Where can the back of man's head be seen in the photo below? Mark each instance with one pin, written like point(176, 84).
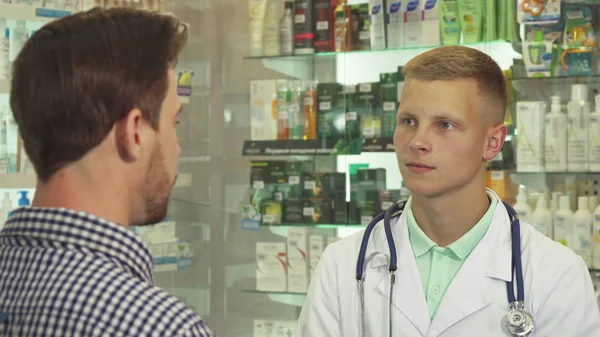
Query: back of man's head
point(77, 76)
point(456, 62)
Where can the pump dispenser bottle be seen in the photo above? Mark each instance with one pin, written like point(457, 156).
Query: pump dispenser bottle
point(555, 138)
point(563, 222)
point(541, 219)
point(594, 137)
point(522, 207)
point(582, 230)
point(578, 119)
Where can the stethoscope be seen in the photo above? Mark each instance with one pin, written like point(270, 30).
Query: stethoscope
point(519, 322)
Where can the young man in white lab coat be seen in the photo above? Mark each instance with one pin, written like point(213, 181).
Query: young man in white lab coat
point(453, 240)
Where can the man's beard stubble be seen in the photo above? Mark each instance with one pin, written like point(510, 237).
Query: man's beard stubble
point(157, 189)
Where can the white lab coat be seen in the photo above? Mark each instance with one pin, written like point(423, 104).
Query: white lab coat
point(558, 289)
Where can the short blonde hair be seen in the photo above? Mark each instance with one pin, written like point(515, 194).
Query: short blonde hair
point(455, 62)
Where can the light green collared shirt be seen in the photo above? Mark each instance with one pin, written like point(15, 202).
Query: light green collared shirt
point(438, 265)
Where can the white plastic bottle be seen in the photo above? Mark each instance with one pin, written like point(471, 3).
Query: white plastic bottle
point(582, 230)
point(596, 238)
point(541, 218)
point(594, 137)
point(563, 222)
point(4, 54)
point(271, 35)
point(5, 208)
point(377, 28)
point(286, 29)
point(578, 119)
point(555, 138)
point(522, 207)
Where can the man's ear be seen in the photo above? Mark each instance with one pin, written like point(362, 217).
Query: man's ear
point(129, 135)
point(494, 141)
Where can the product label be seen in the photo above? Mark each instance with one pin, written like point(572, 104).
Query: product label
point(258, 184)
point(323, 25)
point(389, 106)
point(308, 211)
point(309, 185)
point(268, 218)
point(325, 106)
point(368, 131)
point(364, 87)
point(351, 116)
point(497, 175)
point(594, 142)
point(299, 18)
point(294, 180)
point(577, 151)
point(308, 101)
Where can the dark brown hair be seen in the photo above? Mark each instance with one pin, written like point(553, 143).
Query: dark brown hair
point(77, 76)
point(455, 62)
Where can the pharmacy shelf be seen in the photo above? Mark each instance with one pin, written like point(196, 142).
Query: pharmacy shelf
point(296, 299)
point(324, 147)
point(16, 180)
point(351, 65)
point(541, 88)
point(30, 13)
point(313, 147)
point(305, 225)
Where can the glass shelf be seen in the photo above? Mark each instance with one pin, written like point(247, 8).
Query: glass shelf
point(315, 147)
point(312, 225)
point(306, 57)
point(254, 291)
point(541, 88)
point(553, 173)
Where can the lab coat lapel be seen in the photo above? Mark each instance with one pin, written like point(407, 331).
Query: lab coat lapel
point(408, 296)
point(468, 292)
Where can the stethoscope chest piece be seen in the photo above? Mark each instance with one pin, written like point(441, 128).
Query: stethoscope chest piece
point(520, 323)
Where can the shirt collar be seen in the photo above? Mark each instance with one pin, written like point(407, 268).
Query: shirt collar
point(81, 230)
point(462, 247)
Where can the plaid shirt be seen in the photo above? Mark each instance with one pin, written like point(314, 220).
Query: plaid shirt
point(68, 274)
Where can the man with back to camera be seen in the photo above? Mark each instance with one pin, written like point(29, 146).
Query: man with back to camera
point(94, 96)
point(454, 238)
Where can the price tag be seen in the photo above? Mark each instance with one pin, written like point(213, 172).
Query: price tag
point(325, 106)
point(350, 89)
point(309, 185)
point(300, 18)
point(308, 211)
point(294, 180)
point(365, 87)
point(258, 184)
point(322, 25)
point(365, 220)
point(389, 106)
point(268, 218)
point(351, 116)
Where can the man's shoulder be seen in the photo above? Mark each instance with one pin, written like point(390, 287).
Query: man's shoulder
point(147, 310)
point(547, 254)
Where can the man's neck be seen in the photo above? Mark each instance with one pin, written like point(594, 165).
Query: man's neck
point(91, 195)
point(447, 218)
